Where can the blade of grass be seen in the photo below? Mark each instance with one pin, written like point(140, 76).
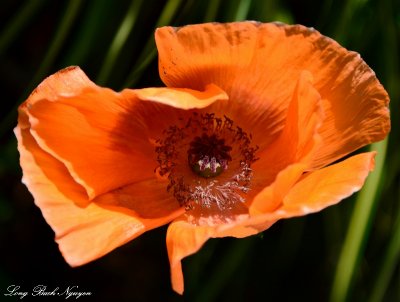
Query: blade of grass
point(21, 20)
point(67, 21)
point(89, 29)
point(119, 41)
point(149, 50)
point(228, 265)
point(54, 49)
point(212, 11)
point(242, 10)
point(347, 15)
point(324, 14)
point(235, 10)
point(359, 228)
point(391, 256)
point(194, 266)
point(272, 10)
point(390, 261)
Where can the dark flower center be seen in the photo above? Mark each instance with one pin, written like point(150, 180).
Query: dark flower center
point(208, 155)
point(207, 161)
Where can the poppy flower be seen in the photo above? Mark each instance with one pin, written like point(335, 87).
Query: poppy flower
point(249, 129)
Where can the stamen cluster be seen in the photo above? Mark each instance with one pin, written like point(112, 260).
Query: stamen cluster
point(207, 161)
point(208, 156)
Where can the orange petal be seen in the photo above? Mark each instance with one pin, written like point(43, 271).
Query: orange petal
point(105, 138)
point(303, 119)
point(271, 197)
point(320, 189)
point(147, 199)
point(312, 193)
point(299, 138)
point(258, 64)
point(181, 98)
point(84, 230)
point(185, 237)
point(291, 195)
point(67, 82)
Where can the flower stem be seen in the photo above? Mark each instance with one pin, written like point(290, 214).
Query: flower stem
point(359, 229)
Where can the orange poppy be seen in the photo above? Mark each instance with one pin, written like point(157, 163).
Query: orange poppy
point(247, 132)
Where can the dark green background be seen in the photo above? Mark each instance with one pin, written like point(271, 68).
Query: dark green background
point(295, 260)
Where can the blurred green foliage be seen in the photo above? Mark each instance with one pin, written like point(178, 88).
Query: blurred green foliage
point(349, 252)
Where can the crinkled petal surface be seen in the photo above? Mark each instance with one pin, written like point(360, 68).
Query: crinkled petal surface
point(307, 102)
point(257, 64)
point(310, 193)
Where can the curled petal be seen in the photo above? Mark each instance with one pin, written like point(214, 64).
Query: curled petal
point(181, 98)
point(303, 120)
point(185, 238)
point(271, 197)
point(96, 132)
point(298, 141)
point(84, 230)
point(320, 189)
